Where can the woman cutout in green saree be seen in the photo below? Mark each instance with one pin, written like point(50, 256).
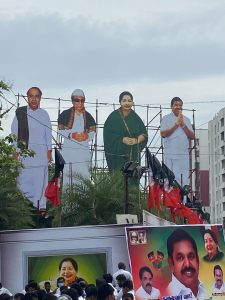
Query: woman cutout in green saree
point(125, 134)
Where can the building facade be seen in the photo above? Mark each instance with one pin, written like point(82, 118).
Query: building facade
point(200, 167)
point(217, 168)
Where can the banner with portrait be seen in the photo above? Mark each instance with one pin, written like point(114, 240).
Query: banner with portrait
point(177, 262)
point(48, 268)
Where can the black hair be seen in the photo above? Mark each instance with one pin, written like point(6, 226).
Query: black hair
point(73, 262)
point(121, 265)
point(99, 281)
point(5, 296)
point(179, 235)
point(144, 269)
point(121, 277)
point(91, 290)
point(47, 282)
point(77, 287)
point(108, 277)
point(19, 295)
point(49, 296)
point(127, 296)
point(41, 293)
point(213, 235)
point(128, 284)
point(36, 88)
point(217, 267)
point(104, 291)
point(70, 292)
point(175, 99)
point(124, 94)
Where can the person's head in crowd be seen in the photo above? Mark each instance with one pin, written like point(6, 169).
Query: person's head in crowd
point(146, 278)
point(31, 296)
point(211, 243)
point(78, 99)
point(49, 296)
point(108, 277)
point(32, 286)
point(19, 296)
point(128, 296)
point(60, 281)
point(70, 292)
point(5, 296)
point(68, 269)
point(77, 287)
point(218, 276)
point(120, 280)
point(183, 258)
point(127, 286)
point(41, 293)
point(34, 97)
point(99, 281)
point(106, 292)
point(47, 286)
point(82, 283)
point(121, 265)
point(91, 292)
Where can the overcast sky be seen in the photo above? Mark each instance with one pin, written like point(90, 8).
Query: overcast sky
point(156, 49)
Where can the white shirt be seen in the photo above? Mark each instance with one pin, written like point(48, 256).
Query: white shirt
point(120, 271)
point(218, 290)
point(5, 291)
point(177, 144)
point(141, 294)
point(176, 288)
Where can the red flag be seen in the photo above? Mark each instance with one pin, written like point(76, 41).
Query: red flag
point(192, 217)
point(52, 192)
point(171, 197)
point(155, 195)
point(151, 195)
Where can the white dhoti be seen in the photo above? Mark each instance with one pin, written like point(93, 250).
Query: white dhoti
point(76, 154)
point(33, 178)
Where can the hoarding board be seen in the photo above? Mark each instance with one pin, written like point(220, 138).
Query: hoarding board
point(184, 261)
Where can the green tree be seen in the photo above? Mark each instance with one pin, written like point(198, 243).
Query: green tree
point(97, 201)
point(15, 209)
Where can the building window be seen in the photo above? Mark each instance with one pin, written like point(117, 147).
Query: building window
point(222, 122)
point(222, 150)
point(197, 142)
point(223, 177)
point(223, 191)
point(223, 164)
point(223, 222)
point(222, 136)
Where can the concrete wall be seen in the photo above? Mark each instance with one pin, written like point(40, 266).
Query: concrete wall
point(16, 246)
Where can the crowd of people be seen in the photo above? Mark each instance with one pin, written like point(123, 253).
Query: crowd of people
point(117, 286)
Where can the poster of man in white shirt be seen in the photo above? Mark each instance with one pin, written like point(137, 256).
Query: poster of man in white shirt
point(146, 290)
point(219, 286)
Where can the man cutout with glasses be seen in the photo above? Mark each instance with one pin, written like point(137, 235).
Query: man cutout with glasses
point(77, 127)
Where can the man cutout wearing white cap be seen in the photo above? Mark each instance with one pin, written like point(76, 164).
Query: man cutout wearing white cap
point(77, 127)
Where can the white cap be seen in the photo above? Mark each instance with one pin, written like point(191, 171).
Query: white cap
point(78, 92)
